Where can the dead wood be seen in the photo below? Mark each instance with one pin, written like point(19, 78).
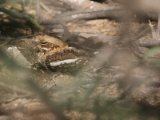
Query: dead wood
point(149, 42)
point(113, 14)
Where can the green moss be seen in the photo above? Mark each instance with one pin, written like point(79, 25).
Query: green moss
point(153, 56)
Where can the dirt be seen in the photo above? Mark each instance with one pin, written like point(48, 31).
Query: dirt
point(113, 81)
point(104, 27)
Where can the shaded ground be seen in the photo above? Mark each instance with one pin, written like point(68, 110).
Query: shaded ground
point(114, 84)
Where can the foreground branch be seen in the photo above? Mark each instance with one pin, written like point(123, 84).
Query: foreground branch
point(118, 14)
point(22, 16)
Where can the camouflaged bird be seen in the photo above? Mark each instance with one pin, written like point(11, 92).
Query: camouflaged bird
point(55, 54)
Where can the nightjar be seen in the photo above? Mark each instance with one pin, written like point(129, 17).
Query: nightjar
point(57, 55)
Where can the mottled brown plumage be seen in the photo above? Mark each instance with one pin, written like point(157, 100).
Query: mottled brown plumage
point(53, 53)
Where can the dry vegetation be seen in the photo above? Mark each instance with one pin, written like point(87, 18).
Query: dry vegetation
point(79, 60)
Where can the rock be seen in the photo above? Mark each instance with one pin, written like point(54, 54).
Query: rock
point(18, 56)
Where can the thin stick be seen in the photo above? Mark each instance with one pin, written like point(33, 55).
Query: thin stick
point(37, 10)
point(158, 27)
point(154, 33)
point(45, 7)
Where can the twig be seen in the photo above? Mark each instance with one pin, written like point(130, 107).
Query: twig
point(117, 14)
point(45, 7)
point(154, 33)
point(149, 42)
point(38, 10)
point(158, 27)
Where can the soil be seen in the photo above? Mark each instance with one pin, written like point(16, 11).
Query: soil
point(114, 83)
